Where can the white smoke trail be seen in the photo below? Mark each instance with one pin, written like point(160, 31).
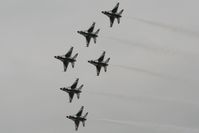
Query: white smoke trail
point(156, 74)
point(167, 26)
point(152, 48)
point(144, 98)
point(152, 125)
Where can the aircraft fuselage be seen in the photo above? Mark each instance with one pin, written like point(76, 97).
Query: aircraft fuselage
point(76, 118)
point(98, 63)
point(68, 59)
point(110, 14)
point(70, 90)
point(87, 34)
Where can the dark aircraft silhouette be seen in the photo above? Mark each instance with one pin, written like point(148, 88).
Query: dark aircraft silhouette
point(78, 118)
point(113, 14)
point(100, 63)
point(73, 90)
point(66, 59)
point(88, 34)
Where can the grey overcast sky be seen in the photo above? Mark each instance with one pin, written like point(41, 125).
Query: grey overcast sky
point(152, 82)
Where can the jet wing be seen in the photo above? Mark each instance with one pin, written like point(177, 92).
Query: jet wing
point(114, 10)
point(76, 124)
point(111, 21)
point(101, 58)
point(79, 113)
point(68, 54)
point(98, 68)
point(91, 28)
point(71, 94)
point(65, 65)
point(88, 39)
point(74, 85)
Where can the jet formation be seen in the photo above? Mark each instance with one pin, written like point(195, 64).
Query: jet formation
point(71, 90)
point(77, 118)
point(98, 63)
point(112, 14)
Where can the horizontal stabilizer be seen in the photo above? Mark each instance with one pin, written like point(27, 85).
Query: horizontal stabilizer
point(73, 64)
point(95, 39)
point(105, 68)
point(118, 20)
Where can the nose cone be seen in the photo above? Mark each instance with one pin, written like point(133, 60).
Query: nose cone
point(103, 12)
point(67, 116)
point(55, 57)
point(89, 61)
point(61, 89)
point(78, 32)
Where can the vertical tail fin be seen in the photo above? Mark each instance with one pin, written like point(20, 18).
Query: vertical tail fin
point(80, 87)
point(75, 56)
point(120, 13)
point(97, 32)
point(107, 60)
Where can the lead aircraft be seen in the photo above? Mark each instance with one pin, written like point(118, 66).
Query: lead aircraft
point(112, 14)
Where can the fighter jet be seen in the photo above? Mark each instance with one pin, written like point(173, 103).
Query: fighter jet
point(100, 63)
point(73, 90)
point(66, 59)
point(78, 118)
point(113, 14)
point(88, 34)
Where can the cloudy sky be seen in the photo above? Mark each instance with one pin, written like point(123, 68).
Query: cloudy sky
point(152, 82)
